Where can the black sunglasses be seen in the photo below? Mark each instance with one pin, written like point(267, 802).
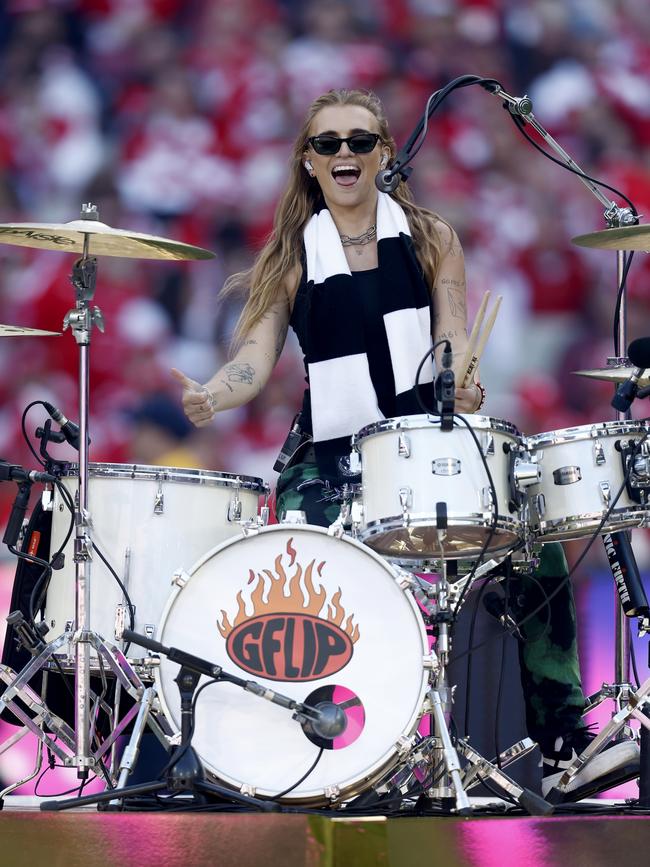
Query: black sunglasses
point(328, 145)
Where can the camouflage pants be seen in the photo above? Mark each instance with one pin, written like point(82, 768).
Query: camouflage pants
point(548, 658)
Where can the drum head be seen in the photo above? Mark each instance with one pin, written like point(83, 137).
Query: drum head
point(317, 619)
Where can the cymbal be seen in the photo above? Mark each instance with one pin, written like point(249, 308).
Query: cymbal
point(615, 374)
point(103, 240)
point(23, 331)
point(623, 238)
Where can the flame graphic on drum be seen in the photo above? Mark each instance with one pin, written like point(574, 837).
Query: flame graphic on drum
point(289, 635)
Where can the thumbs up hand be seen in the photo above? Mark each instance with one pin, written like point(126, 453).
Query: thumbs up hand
point(199, 403)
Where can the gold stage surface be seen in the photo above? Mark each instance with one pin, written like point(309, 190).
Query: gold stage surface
point(76, 838)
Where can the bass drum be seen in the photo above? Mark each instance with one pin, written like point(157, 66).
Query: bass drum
point(318, 619)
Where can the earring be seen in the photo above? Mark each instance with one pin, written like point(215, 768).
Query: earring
point(309, 167)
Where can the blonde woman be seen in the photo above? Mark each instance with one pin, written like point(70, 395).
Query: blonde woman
point(367, 280)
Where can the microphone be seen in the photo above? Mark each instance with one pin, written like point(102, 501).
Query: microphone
point(16, 473)
point(387, 181)
point(69, 429)
point(639, 354)
point(446, 389)
point(328, 722)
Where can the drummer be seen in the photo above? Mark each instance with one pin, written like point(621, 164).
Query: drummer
point(366, 279)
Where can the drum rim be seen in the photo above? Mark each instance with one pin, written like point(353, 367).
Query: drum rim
point(154, 472)
point(424, 421)
point(585, 432)
point(589, 521)
point(396, 522)
point(385, 762)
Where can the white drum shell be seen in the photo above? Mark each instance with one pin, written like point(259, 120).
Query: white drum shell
point(413, 454)
point(561, 506)
point(147, 521)
point(256, 747)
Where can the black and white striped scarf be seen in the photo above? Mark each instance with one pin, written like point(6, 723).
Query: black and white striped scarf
point(360, 374)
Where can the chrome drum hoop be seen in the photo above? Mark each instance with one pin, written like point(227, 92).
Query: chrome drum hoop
point(157, 473)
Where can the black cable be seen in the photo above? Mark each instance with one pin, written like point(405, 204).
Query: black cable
point(302, 779)
point(502, 796)
point(521, 126)
point(120, 583)
point(418, 388)
point(433, 102)
point(567, 578)
point(178, 753)
point(497, 709)
point(39, 590)
point(23, 427)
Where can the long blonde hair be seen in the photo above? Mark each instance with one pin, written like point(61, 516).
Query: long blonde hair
point(281, 253)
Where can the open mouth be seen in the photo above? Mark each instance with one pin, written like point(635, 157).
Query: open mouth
point(346, 175)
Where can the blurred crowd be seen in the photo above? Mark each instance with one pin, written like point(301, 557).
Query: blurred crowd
point(175, 117)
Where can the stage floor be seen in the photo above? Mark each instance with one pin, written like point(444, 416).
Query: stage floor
point(85, 837)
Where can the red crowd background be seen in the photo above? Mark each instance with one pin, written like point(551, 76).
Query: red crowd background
point(175, 117)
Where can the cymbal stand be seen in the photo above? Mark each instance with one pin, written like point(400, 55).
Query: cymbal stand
point(440, 602)
point(78, 740)
point(615, 217)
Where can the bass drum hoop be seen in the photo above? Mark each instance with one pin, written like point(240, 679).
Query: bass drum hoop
point(189, 475)
point(346, 789)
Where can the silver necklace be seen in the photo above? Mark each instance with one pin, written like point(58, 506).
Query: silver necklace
point(355, 240)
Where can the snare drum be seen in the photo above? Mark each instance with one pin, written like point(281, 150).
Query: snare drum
point(410, 466)
point(582, 469)
point(146, 522)
point(318, 619)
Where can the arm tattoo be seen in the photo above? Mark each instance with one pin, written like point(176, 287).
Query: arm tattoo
point(457, 303)
point(227, 384)
point(240, 372)
point(249, 343)
point(446, 335)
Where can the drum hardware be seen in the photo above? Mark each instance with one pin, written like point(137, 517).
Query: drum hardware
point(150, 518)
point(618, 372)
point(87, 236)
point(622, 233)
point(638, 479)
point(185, 771)
point(581, 471)
point(618, 237)
point(440, 600)
point(344, 596)
point(634, 704)
point(23, 331)
point(409, 463)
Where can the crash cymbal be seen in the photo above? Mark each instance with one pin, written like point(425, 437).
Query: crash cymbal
point(23, 331)
point(615, 374)
point(624, 238)
point(103, 241)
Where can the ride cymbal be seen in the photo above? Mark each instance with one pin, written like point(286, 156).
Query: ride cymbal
point(614, 374)
point(623, 238)
point(103, 240)
point(23, 331)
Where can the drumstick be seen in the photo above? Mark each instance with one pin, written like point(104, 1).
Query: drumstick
point(469, 352)
point(480, 346)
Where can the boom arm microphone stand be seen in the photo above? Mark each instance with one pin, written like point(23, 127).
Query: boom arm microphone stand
point(184, 772)
point(630, 599)
point(615, 217)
